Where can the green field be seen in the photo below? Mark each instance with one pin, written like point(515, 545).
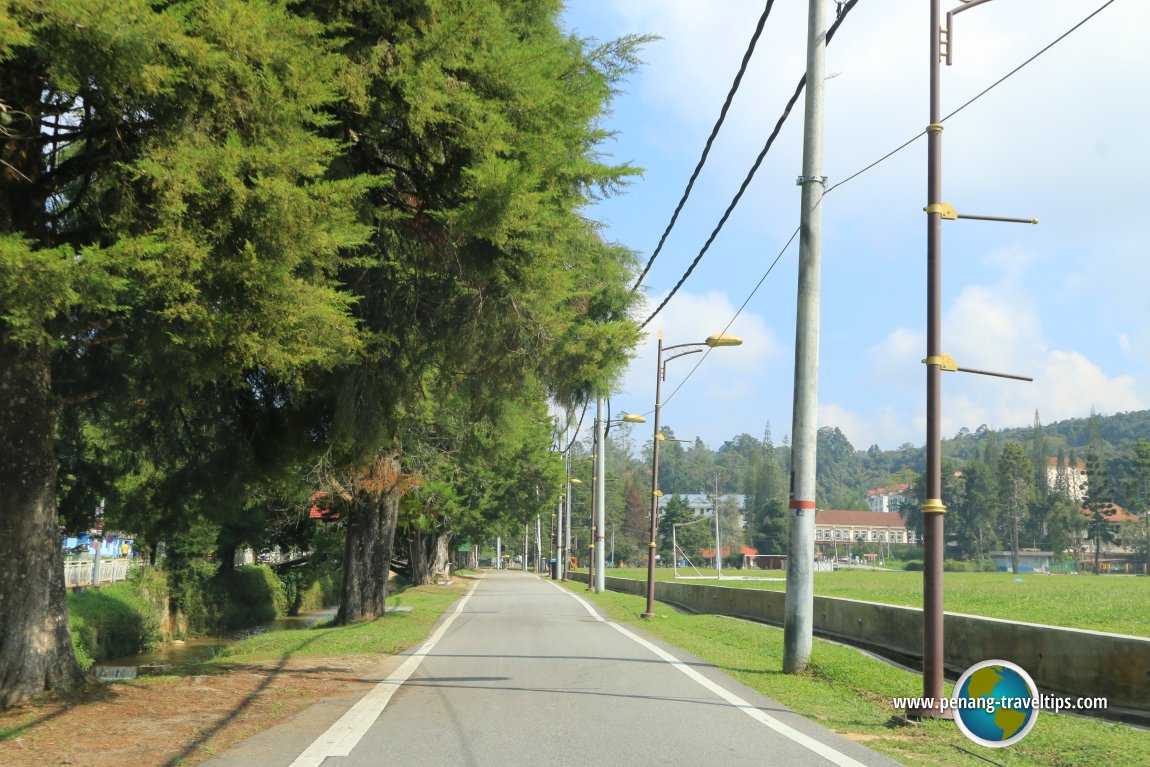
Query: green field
point(1114, 603)
point(852, 693)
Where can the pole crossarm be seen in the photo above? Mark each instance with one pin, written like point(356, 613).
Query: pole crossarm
point(947, 212)
point(949, 364)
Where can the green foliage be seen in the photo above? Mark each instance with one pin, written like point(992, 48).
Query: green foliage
point(691, 533)
point(114, 620)
point(245, 597)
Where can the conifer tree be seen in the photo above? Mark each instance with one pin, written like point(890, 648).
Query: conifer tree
point(165, 191)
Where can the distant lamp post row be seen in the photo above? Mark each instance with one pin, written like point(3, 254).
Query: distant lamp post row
point(713, 342)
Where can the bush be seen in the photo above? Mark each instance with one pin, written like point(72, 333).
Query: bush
point(112, 621)
point(83, 640)
point(914, 567)
point(246, 597)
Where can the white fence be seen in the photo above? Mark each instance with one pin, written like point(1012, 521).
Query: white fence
point(78, 572)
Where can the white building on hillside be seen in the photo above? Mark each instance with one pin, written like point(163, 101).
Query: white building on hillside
point(1073, 479)
point(703, 504)
point(888, 499)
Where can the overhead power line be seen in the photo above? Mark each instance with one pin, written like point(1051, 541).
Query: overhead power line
point(751, 173)
point(981, 93)
point(710, 140)
point(874, 164)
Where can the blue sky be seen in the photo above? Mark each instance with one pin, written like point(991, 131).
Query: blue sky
point(1063, 141)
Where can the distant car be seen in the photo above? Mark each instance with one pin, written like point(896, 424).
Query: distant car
point(80, 548)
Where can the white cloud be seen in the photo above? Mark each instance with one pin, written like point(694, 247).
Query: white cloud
point(1063, 301)
point(717, 400)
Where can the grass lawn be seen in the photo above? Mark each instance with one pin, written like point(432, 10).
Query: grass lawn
point(396, 633)
point(1114, 603)
point(851, 693)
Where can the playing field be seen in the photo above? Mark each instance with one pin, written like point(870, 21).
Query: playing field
point(1115, 603)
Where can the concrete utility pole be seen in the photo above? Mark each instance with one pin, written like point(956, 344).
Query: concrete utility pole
point(600, 467)
point(558, 574)
point(718, 536)
point(798, 618)
point(538, 544)
point(567, 520)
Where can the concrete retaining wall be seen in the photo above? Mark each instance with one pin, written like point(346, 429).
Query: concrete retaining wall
point(1065, 661)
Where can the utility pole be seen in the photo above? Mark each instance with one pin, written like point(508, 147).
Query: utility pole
point(655, 491)
point(798, 618)
point(591, 518)
point(558, 574)
point(600, 466)
point(718, 537)
point(567, 520)
point(538, 544)
point(933, 508)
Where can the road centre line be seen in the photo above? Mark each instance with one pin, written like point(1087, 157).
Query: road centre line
point(342, 736)
point(806, 741)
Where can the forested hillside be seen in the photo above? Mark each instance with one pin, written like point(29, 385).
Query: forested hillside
point(981, 470)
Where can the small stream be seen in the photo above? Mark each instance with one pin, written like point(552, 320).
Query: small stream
point(189, 652)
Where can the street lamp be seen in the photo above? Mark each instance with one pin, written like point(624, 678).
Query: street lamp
point(567, 522)
point(933, 508)
point(597, 579)
point(713, 342)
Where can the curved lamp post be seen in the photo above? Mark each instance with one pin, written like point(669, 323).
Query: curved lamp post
point(681, 350)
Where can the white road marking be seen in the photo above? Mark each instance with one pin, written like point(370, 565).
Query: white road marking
point(349, 729)
point(806, 741)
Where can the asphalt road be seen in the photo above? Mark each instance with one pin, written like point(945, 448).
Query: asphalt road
point(522, 671)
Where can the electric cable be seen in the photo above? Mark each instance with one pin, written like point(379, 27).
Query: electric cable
point(710, 140)
point(872, 165)
point(754, 169)
point(575, 437)
point(739, 311)
point(982, 93)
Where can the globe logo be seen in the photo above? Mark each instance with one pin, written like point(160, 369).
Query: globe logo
point(996, 703)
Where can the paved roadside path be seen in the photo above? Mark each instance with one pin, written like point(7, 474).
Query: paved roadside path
point(523, 671)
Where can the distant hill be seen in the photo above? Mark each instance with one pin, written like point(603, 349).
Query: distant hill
point(1118, 432)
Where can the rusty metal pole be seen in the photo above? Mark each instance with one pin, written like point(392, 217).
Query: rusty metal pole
point(933, 508)
point(650, 613)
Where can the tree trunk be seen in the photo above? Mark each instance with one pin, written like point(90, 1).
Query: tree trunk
point(429, 556)
point(372, 514)
point(35, 643)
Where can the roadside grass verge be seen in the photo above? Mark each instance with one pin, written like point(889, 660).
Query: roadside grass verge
point(1114, 603)
point(392, 634)
point(851, 693)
